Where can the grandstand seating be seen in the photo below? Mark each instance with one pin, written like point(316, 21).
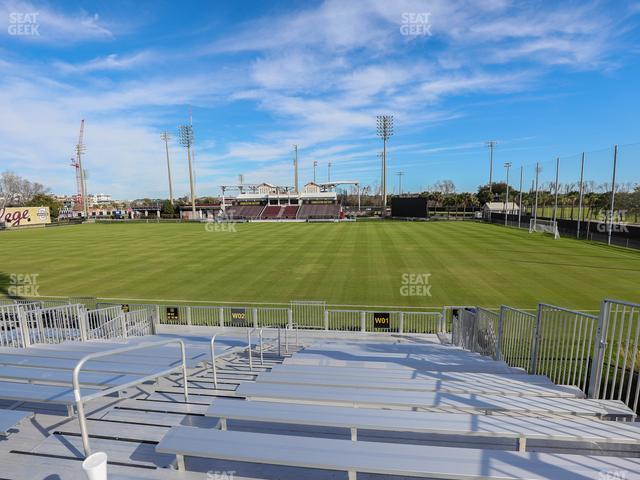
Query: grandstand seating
point(289, 212)
point(310, 211)
point(246, 212)
point(271, 212)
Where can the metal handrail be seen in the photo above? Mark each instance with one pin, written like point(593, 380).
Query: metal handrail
point(213, 363)
point(286, 337)
point(568, 310)
point(249, 332)
point(79, 399)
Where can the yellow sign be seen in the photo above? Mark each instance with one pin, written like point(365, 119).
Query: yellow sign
point(24, 216)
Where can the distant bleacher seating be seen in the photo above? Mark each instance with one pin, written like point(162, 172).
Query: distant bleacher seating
point(313, 211)
point(290, 212)
point(246, 212)
point(271, 212)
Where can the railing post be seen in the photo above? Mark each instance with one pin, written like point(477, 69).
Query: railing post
point(24, 327)
point(599, 346)
point(156, 320)
point(536, 341)
point(81, 313)
point(123, 324)
point(363, 321)
point(221, 316)
point(290, 318)
point(255, 318)
point(326, 320)
point(401, 322)
point(500, 333)
point(188, 315)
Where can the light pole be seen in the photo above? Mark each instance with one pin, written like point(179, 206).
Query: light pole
point(295, 167)
point(507, 165)
point(491, 144)
point(186, 140)
point(315, 165)
point(400, 174)
point(385, 130)
point(166, 136)
point(329, 173)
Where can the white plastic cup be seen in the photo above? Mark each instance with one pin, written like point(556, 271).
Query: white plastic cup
point(95, 466)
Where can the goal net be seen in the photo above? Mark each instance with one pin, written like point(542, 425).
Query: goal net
point(544, 226)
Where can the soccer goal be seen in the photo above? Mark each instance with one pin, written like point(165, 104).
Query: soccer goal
point(544, 226)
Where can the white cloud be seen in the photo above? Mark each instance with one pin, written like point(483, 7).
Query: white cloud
point(109, 62)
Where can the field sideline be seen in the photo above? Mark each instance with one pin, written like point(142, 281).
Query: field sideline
point(349, 263)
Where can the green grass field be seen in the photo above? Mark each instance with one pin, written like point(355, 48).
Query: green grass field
point(347, 263)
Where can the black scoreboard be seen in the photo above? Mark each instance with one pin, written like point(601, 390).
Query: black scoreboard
point(409, 207)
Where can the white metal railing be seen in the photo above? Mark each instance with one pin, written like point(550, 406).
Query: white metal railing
point(308, 315)
point(563, 346)
point(56, 324)
point(11, 333)
point(598, 354)
point(103, 323)
point(517, 330)
point(616, 359)
point(80, 399)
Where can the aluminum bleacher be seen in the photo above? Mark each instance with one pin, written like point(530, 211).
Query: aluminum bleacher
point(271, 212)
point(245, 212)
point(290, 212)
point(322, 211)
point(423, 409)
point(392, 395)
point(10, 418)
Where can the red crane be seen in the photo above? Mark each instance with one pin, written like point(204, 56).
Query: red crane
point(79, 199)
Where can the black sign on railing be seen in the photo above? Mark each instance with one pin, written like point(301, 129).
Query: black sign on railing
point(239, 315)
point(172, 314)
point(125, 307)
point(381, 321)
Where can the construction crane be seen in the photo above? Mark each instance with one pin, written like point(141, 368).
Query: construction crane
point(80, 198)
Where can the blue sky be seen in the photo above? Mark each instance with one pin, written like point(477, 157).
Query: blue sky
point(544, 79)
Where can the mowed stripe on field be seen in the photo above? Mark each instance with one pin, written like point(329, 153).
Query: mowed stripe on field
point(347, 263)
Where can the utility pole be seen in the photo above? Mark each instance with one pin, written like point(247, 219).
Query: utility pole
point(186, 140)
point(581, 195)
point(329, 173)
point(535, 208)
point(520, 201)
point(166, 136)
point(613, 193)
point(491, 144)
point(385, 130)
point(555, 204)
point(506, 203)
point(400, 174)
point(295, 167)
point(315, 165)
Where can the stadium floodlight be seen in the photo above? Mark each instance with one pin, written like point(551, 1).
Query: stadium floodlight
point(491, 144)
point(329, 173)
point(315, 165)
point(185, 133)
point(385, 131)
point(400, 174)
point(166, 136)
point(507, 165)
